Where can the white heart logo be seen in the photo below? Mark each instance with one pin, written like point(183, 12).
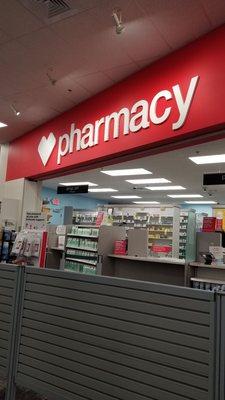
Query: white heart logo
point(46, 147)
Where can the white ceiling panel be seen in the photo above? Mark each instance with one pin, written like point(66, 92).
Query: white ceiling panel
point(116, 74)
point(96, 82)
point(215, 11)
point(15, 20)
point(170, 17)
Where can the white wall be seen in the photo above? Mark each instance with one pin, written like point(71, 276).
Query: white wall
point(17, 196)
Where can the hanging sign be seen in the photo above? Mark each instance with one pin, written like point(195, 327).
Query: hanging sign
point(72, 189)
point(214, 179)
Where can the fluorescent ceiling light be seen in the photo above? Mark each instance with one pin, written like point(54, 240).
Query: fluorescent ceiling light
point(184, 196)
point(148, 181)
point(126, 197)
point(78, 184)
point(127, 172)
point(145, 202)
point(200, 202)
point(2, 125)
point(102, 190)
point(165, 188)
point(216, 159)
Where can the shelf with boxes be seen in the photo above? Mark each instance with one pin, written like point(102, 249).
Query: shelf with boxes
point(162, 223)
point(82, 249)
point(207, 284)
point(7, 239)
point(206, 277)
point(183, 234)
point(84, 217)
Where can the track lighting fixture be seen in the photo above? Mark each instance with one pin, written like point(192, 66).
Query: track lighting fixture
point(16, 112)
point(51, 79)
point(117, 15)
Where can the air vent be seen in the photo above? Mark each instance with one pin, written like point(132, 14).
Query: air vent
point(51, 10)
point(56, 7)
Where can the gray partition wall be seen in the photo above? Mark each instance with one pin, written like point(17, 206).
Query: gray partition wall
point(8, 312)
point(220, 350)
point(98, 338)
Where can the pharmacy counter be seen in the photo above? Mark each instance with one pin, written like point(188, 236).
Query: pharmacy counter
point(199, 272)
point(154, 269)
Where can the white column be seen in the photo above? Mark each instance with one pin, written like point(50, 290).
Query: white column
point(17, 196)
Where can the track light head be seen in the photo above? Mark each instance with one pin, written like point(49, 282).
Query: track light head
point(16, 112)
point(117, 15)
point(51, 79)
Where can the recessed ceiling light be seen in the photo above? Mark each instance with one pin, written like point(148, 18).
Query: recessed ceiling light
point(78, 184)
point(2, 125)
point(200, 202)
point(148, 181)
point(102, 190)
point(126, 197)
point(127, 172)
point(184, 196)
point(215, 159)
point(145, 202)
point(165, 187)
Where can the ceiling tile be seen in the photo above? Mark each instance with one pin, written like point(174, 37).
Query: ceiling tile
point(45, 47)
point(116, 74)
point(179, 22)
point(146, 61)
point(215, 11)
point(96, 82)
point(16, 20)
point(4, 37)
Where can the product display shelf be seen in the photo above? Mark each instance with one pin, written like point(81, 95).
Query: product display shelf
point(207, 284)
point(85, 236)
point(88, 262)
point(183, 234)
point(82, 249)
point(84, 217)
point(7, 241)
point(160, 234)
point(162, 223)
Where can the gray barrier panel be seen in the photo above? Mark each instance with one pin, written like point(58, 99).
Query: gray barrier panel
point(220, 353)
point(98, 338)
point(8, 293)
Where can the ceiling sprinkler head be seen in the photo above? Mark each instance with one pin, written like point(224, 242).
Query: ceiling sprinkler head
point(117, 15)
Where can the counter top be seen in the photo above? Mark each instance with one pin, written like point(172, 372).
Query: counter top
point(162, 260)
point(202, 265)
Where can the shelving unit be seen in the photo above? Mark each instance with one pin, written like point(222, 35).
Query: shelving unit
point(183, 234)
point(82, 249)
point(207, 284)
point(84, 218)
point(162, 223)
point(206, 277)
point(7, 241)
